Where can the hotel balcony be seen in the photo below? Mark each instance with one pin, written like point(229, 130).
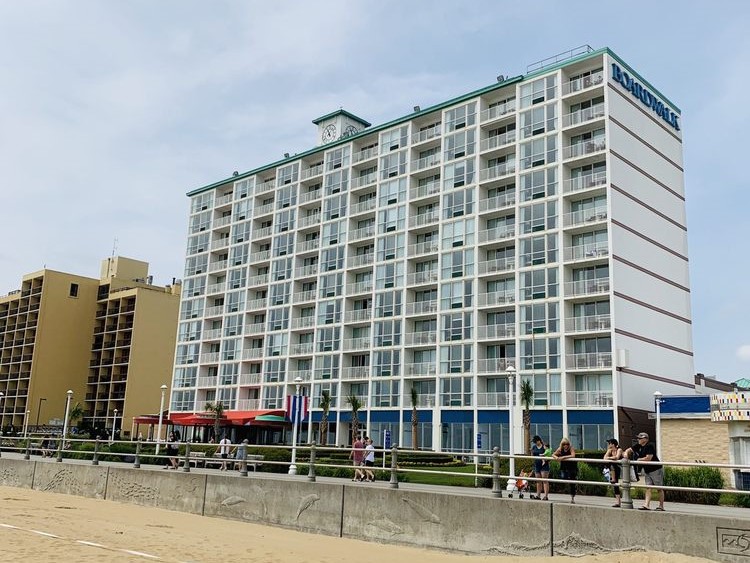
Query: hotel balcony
point(363, 155)
point(591, 360)
point(355, 372)
point(583, 83)
point(589, 398)
point(498, 171)
point(421, 338)
point(426, 134)
point(497, 265)
point(304, 322)
point(498, 233)
point(428, 189)
point(497, 400)
point(250, 379)
point(252, 353)
point(304, 349)
point(497, 111)
point(585, 288)
point(304, 375)
point(308, 245)
point(363, 233)
point(424, 218)
point(583, 115)
point(366, 180)
point(248, 404)
point(591, 323)
point(420, 369)
point(421, 308)
point(358, 316)
point(585, 217)
point(265, 187)
point(424, 400)
point(496, 298)
point(421, 278)
point(363, 206)
point(494, 365)
point(586, 251)
point(311, 172)
point(423, 248)
point(359, 287)
point(498, 202)
point(352, 344)
point(426, 162)
point(359, 260)
point(582, 149)
point(496, 332)
point(497, 141)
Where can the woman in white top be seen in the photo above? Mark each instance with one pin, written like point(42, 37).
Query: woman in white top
point(369, 460)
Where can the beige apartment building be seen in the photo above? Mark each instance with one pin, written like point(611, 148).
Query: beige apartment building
point(109, 340)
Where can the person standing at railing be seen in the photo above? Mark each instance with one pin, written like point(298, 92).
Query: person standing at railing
point(566, 455)
point(614, 454)
point(225, 445)
point(652, 474)
point(541, 468)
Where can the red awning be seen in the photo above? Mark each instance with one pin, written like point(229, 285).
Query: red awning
point(243, 417)
point(194, 419)
point(151, 418)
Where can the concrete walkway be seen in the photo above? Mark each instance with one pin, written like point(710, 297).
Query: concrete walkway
point(581, 500)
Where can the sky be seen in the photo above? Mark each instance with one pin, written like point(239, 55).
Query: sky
point(112, 111)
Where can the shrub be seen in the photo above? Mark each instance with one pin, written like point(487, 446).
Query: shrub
point(699, 477)
point(274, 460)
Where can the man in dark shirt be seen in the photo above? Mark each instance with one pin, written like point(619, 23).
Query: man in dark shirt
point(653, 474)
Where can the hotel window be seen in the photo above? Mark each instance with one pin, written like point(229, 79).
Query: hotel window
point(385, 393)
point(586, 110)
point(185, 377)
point(538, 120)
point(332, 258)
point(455, 392)
point(187, 353)
point(392, 165)
point(337, 182)
point(330, 285)
point(504, 287)
point(229, 374)
point(455, 295)
point(192, 309)
point(458, 233)
point(241, 210)
point(460, 117)
point(235, 301)
point(329, 312)
point(274, 371)
point(386, 363)
point(337, 158)
point(200, 222)
point(538, 91)
point(202, 202)
point(388, 304)
point(506, 132)
point(459, 145)
point(233, 325)
point(335, 207)
point(538, 152)
point(182, 401)
point(539, 284)
point(286, 196)
point(198, 243)
point(288, 174)
point(585, 143)
point(277, 343)
point(192, 287)
point(457, 203)
point(505, 254)
point(387, 333)
point(230, 349)
point(540, 353)
point(458, 174)
point(392, 219)
point(590, 208)
point(538, 184)
point(330, 388)
point(588, 176)
point(538, 250)
point(237, 278)
point(243, 188)
point(391, 247)
point(280, 293)
point(389, 275)
point(538, 217)
point(241, 232)
point(189, 331)
point(393, 191)
point(592, 346)
point(278, 319)
point(285, 220)
point(327, 367)
point(458, 264)
point(333, 233)
point(457, 326)
point(273, 396)
point(283, 244)
point(394, 139)
point(591, 241)
point(547, 390)
point(328, 339)
point(539, 318)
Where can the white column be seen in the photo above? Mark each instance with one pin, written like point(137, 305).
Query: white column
point(296, 411)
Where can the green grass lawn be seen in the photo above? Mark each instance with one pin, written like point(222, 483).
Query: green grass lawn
point(442, 476)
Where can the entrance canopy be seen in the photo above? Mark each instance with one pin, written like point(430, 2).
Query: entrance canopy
point(241, 418)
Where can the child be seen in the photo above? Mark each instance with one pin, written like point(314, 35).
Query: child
point(518, 484)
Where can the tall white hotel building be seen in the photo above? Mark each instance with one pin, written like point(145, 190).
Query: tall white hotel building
point(537, 223)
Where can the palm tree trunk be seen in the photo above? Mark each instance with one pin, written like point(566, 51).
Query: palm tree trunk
point(324, 431)
point(414, 428)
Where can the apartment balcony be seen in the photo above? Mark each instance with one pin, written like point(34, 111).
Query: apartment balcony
point(311, 172)
point(308, 221)
point(424, 400)
point(251, 379)
point(255, 328)
point(307, 197)
point(426, 162)
point(355, 372)
point(308, 245)
point(358, 315)
point(583, 116)
point(260, 256)
point(496, 400)
point(431, 188)
point(304, 322)
point(498, 233)
point(223, 200)
point(304, 349)
point(210, 358)
point(497, 111)
point(363, 155)
point(214, 311)
point(363, 233)
point(360, 260)
point(304, 375)
point(248, 404)
point(589, 398)
point(420, 369)
point(213, 334)
point(421, 338)
point(421, 278)
point(215, 288)
point(585, 182)
point(591, 323)
point(265, 187)
point(586, 251)
point(582, 149)
point(496, 332)
point(351, 344)
point(363, 399)
point(497, 141)
point(222, 221)
point(421, 308)
point(423, 219)
point(592, 360)
point(252, 353)
point(265, 232)
point(210, 382)
point(494, 365)
point(585, 217)
point(306, 271)
point(363, 206)
point(366, 180)
point(359, 287)
point(426, 134)
point(384, 401)
point(586, 288)
point(261, 210)
point(255, 281)
point(496, 298)
point(455, 399)
point(498, 202)
point(583, 83)
point(217, 266)
point(219, 244)
point(496, 265)
point(498, 171)
point(256, 304)
point(419, 248)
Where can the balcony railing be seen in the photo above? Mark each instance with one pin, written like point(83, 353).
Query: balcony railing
point(497, 141)
point(421, 368)
point(216, 266)
point(358, 315)
point(216, 288)
point(424, 400)
point(425, 162)
point(586, 287)
point(355, 372)
point(304, 375)
point(219, 244)
point(252, 353)
point(359, 181)
point(311, 172)
point(306, 271)
point(365, 154)
point(497, 202)
point(365, 232)
point(255, 328)
point(359, 287)
point(423, 248)
point(312, 195)
point(304, 322)
point(497, 111)
point(260, 256)
point(363, 206)
point(360, 260)
point(417, 278)
point(362, 343)
point(585, 216)
point(421, 307)
point(585, 182)
point(426, 190)
point(498, 331)
point(498, 400)
point(308, 221)
point(498, 233)
point(591, 360)
point(254, 281)
point(424, 218)
point(302, 349)
point(250, 379)
point(248, 404)
point(303, 296)
point(214, 311)
point(497, 171)
point(584, 148)
point(591, 323)
point(494, 365)
point(582, 83)
point(222, 221)
point(586, 251)
point(265, 186)
point(583, 115)
point(421, 338)
point(308, 245)
point(496, 298)
point(426, 134)
point(496, 265)
point(265, 232)
point(589, 398)
point(263, 210)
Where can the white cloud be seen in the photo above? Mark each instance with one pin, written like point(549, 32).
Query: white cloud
point(743, 353)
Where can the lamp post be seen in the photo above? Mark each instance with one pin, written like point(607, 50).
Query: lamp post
point(69, 394)
point(114, 428)
point(296, 411)
point(2, 416)
point(161, 416)
point(26, 424)
point(511, 372)
point(658, 401)
point(38, 411)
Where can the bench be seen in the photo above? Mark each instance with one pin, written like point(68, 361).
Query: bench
point(195, 459)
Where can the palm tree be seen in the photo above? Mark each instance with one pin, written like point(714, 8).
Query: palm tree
point(527, 397)
point(325, 404)
point(414, 419)
point(75, 412)
point(217, 409)
point(356, 404)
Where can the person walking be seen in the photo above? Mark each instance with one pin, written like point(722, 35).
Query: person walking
point(357, 455)
point(653, 475)
point(614, 455)
point(173, 450)
point(225, 445)
point(566, 455)
point(369, 460)
point(541, 468)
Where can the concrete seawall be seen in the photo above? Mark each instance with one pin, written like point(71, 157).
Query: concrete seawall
point(472, 524)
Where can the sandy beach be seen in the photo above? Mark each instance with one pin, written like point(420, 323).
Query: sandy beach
point(39, 525)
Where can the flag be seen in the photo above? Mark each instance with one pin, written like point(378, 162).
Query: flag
point(296, 407)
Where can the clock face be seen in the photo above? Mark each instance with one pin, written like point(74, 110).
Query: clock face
point(329, 133)
point(350, 130)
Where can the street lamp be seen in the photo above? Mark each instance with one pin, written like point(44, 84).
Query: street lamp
point(658, 401)
point(161, 416)
point(38, 412)
point(2, 416)
point(26, 424)
point(69, 394)
point(296, 412)
point(511, 372)
point(114, 428)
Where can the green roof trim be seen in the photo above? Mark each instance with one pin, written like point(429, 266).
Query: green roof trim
point(508, 81)
point(342, 112)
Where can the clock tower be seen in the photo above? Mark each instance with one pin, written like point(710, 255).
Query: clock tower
point(338, 125)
